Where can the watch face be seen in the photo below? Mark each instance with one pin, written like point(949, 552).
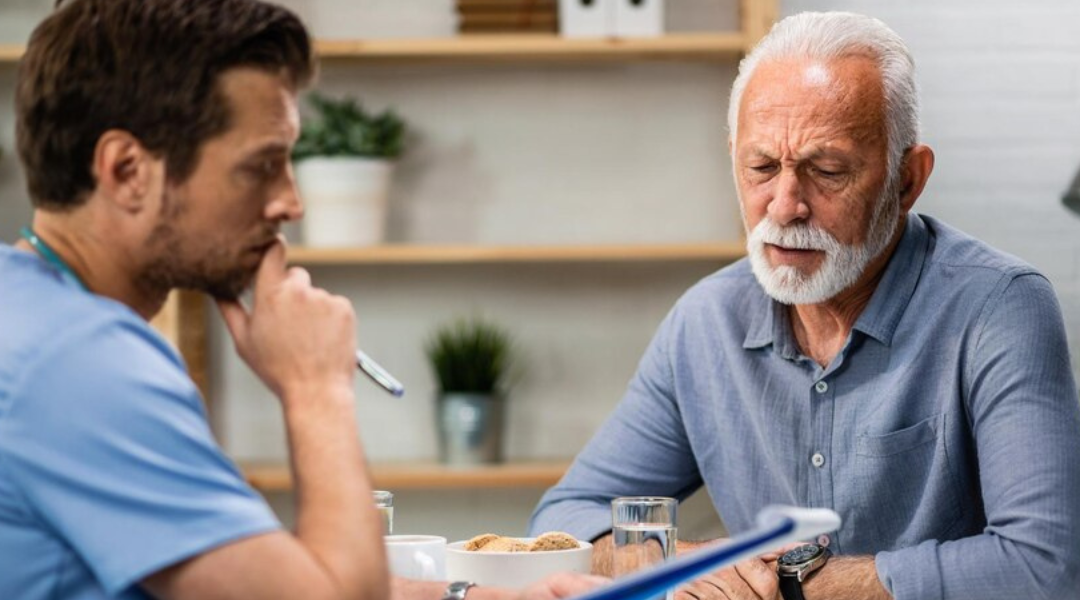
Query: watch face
point(801, 555)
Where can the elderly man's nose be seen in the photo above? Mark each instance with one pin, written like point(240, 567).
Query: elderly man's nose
point(788, 203)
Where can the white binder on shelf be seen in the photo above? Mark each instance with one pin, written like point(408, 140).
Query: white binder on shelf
point(638, 18)
point(586, 18)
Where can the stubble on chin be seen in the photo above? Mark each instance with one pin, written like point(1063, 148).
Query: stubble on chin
point(194, 266)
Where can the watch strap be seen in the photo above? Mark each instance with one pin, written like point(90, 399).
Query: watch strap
point(791, 588)
point(457, 590)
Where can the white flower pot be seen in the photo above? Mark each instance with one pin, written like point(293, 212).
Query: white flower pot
point(345, 200)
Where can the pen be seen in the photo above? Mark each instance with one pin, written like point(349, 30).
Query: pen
point(378, 374)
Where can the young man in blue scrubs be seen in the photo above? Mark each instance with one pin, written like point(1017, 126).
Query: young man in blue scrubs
point(155, 137)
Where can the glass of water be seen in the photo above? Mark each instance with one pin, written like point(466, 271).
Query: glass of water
point(384, 501)
point(643, 531)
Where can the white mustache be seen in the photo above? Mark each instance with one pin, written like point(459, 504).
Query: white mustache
point(800, 236)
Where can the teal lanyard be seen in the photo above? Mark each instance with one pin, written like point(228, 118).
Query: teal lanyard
point(50, 256)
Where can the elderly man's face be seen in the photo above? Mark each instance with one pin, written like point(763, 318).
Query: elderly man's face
point(810, 160)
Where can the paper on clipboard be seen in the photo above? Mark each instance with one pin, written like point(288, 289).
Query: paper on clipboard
point(777, 525)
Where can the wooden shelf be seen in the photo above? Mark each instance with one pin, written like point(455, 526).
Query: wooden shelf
point(418, 475)
point(466, 254)
point(697, 46)
point(10, 53)
point(538, 47)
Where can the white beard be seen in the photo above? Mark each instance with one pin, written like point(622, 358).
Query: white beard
point(843, 264)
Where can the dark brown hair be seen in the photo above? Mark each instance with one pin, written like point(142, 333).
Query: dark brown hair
point(149, 67)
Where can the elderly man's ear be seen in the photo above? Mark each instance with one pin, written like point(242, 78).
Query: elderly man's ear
point(128, 175)
point(918, 164)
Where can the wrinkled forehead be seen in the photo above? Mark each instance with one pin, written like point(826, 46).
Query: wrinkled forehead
point(842, 96)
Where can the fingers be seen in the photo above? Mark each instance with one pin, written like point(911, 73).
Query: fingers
point(748, 580)
point(299, 275)
point(272, 268)
point(760, 577)
point(710, 587)
point(235, 317)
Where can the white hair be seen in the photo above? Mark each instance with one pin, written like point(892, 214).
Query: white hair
point(826, 36)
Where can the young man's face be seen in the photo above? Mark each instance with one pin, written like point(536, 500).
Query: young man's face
point(216, 226)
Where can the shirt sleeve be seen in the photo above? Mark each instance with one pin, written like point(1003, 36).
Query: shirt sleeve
point(109, 445)
point(1024, 413)
point(642, 449)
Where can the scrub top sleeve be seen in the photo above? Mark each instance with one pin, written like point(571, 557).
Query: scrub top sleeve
point(109, 444)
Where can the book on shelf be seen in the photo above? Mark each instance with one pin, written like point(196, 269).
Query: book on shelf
point(465, 6)
point(471, 30)
point(514, 24)
point(507, 16)
point(508, 20)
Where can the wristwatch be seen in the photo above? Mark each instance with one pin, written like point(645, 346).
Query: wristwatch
point(796, 566)
point(457, 590)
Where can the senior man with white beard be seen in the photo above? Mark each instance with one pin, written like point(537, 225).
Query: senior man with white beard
point(864, 358)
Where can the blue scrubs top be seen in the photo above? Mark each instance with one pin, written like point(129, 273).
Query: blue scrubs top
point(108, 469)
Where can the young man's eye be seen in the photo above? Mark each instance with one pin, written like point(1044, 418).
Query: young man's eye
point(265, 168)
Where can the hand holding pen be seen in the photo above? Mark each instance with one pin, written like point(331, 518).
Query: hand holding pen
point(295, 331)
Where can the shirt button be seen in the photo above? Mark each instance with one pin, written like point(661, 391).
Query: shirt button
point(821, 387)
point(823, 540)
point(817, 460)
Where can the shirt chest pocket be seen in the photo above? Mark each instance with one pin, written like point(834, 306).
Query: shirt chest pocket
point(904, 486)
point(897, 442)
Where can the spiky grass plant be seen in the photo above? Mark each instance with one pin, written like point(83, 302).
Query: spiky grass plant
point(470, 355)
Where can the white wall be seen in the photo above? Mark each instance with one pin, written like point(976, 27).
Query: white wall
point(631, 152)
point(1001, 107)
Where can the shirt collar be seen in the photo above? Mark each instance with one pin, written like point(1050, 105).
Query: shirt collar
point(769, 322)
point(766, 315)
point(893, 294)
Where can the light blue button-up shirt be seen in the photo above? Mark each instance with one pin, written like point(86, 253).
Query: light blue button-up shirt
point(946, 432)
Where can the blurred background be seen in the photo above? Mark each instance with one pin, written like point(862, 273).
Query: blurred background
point(609, 168)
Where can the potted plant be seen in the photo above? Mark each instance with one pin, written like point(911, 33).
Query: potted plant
point(344, 162)
point(470, 358)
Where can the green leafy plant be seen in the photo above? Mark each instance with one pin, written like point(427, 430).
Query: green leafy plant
point(470, 355)
point(344, 128)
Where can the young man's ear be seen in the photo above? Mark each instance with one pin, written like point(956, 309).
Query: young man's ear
point(126, 172)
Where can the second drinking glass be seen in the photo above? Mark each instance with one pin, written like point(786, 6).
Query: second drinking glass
point(644, 531)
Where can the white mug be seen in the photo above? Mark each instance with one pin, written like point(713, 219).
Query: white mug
point(420, 557)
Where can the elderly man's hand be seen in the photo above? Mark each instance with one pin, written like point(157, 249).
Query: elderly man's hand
point(753, 579)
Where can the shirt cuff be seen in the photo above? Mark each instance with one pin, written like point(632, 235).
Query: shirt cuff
point(911, 573)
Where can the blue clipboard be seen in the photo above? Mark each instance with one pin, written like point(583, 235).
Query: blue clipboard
point(777, 525)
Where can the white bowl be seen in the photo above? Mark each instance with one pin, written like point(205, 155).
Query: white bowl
point(513, 569)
